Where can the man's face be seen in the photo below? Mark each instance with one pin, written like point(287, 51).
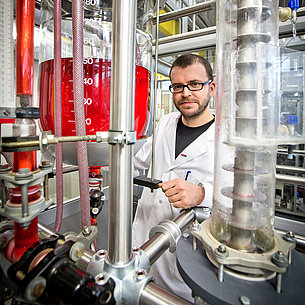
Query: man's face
point(192, 103)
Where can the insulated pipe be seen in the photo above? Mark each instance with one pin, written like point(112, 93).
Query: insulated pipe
point(121, 119)
point(78, 90)
point(58, 114)
point(153, 294)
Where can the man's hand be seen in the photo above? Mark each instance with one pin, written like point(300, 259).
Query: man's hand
point(183, 194)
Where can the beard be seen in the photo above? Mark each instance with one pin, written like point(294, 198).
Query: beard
point(194, 112)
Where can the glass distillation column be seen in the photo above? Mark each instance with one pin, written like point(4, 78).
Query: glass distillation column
point(247, 121)
point(97, 74)
point(247, 85)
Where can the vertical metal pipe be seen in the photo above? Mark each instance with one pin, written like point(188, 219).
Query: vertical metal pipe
point(24, 198)
point(153, 294)
point(121, 119)
point(155, 94)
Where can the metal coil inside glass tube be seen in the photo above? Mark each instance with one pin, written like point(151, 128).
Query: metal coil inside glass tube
point(247, 120)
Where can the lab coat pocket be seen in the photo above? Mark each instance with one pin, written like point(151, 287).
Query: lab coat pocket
point(191, 178)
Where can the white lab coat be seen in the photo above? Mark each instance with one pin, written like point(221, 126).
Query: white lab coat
point(154, 207)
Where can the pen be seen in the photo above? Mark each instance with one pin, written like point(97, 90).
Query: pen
point(187, 174)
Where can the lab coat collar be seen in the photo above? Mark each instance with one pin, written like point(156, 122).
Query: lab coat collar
point(196, 148)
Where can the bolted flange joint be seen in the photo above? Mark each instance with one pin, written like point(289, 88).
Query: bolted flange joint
point(290, 237)
point(221, 251)
point(279, 259)
point(23, 173)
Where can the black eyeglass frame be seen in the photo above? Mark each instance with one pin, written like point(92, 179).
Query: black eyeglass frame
point(187, 86)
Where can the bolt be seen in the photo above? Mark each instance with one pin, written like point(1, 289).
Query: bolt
point(222, 248)
point(220, 273)
point(279, 259)
point(290, 234)
point(195, 246)
point(79, 252)
point(244, 300)
point(185, 235)
point(195, 225)
point(20, 275)
point(278, 282)
point(290, 237)
point(23, 171)
point(38, 290)
point(6, 112)
point(60, 242)
point(87, 231)
point(4, 168)
point(25, 225)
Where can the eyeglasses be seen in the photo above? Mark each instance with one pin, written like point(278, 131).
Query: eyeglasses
point(192, 87)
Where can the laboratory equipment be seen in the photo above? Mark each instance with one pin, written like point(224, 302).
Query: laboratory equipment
point(239, 239)
point(97, 71)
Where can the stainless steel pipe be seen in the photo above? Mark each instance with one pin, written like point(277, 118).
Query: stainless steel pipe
point(290, 169)
point(290, 179)
point(160, 242)
point(153, 294)
point(188, 35)
point(121, 119)
point(186, 11)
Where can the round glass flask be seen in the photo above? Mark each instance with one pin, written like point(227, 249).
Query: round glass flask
point(97, 70)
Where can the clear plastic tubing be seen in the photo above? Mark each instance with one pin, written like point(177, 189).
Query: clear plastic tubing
point(247, 121)
point(97, 67)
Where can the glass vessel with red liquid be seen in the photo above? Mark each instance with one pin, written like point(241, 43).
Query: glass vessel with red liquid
point(97, 68)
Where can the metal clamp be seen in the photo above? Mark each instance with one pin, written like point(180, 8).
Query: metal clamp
point(120, 137)
point(170, 229)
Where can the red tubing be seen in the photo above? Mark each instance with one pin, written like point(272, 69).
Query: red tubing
point(25, 18)
point(78, 90)
point(58, 113)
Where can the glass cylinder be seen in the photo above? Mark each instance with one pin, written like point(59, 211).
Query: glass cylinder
point(247, 121)
point(97, 67)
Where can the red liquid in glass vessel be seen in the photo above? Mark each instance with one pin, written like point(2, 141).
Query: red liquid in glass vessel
point(97, 79)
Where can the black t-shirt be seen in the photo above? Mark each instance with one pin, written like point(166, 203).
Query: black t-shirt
point(186, 135)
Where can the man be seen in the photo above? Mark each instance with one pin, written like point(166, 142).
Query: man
point(184, 161)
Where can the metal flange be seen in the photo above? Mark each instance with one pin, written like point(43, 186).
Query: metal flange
point(170, 229)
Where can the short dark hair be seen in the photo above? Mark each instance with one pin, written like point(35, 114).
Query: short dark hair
point(186, 60)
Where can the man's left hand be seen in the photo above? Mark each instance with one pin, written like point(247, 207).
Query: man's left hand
point(183, 194)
